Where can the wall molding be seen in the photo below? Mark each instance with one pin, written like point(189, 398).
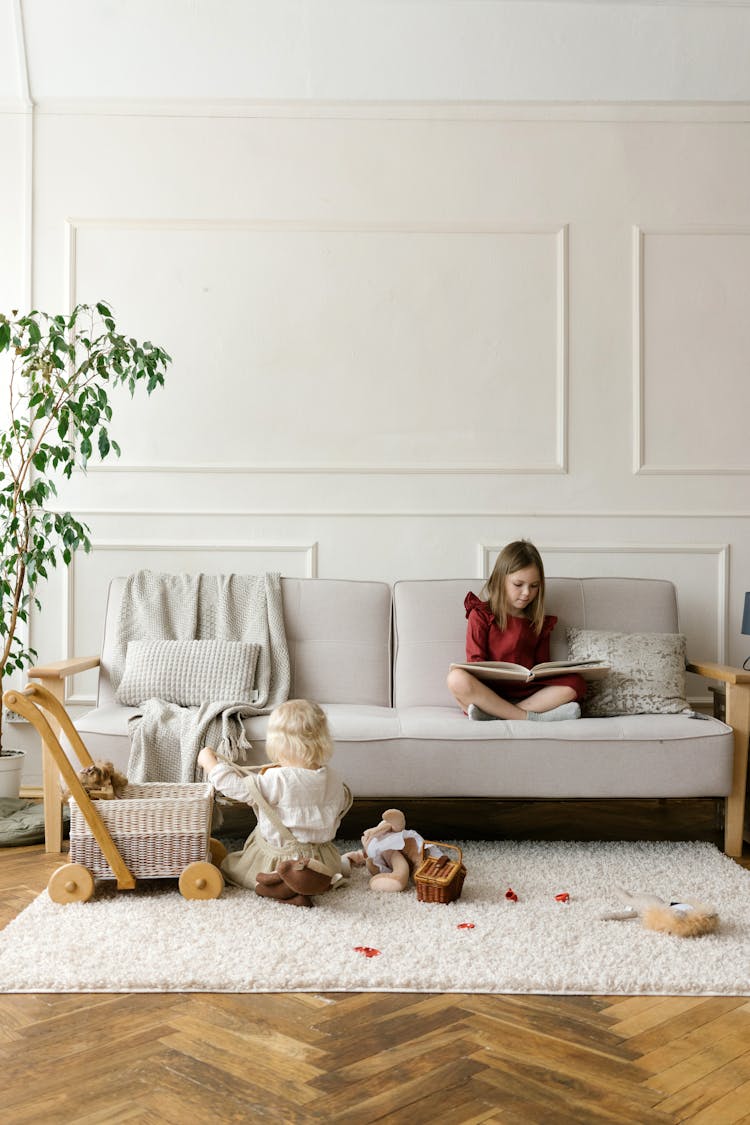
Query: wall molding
point(640, 465)
point(558, 466)
point(390, 513)
point(607, 112)
point(309, 550)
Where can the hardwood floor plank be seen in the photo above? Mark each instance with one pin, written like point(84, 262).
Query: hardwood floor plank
point(699, 1065)
point(599, 1071)
point(395, 1030)
point(554, 1019)
point(708, 1028)
point(404, 1093)
point(573, 1095)
point(451, 1107)
point(705, 1091)
point(727, 1110)
point(381, 1064)
point(257, 1072)
point(655, 1015)
point(211, 1090)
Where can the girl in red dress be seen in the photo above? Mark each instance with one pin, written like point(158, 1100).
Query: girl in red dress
point(511, 625)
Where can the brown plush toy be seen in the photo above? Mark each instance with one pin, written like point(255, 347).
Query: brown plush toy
point(294, 881)
point(684, 918)
point(389, 852)
point(101, 781)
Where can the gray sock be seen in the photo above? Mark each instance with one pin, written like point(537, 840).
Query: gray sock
point(564, 711)
point(480, 716)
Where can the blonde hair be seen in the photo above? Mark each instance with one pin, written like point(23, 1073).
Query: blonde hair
point(298, 735)
point(515, 556)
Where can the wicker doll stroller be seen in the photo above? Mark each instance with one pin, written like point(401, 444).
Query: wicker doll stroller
point(154, 831)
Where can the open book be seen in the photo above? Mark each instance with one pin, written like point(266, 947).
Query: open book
point(502, 670)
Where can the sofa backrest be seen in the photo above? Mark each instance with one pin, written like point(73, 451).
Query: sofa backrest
point(338, 632)
point(430, 623)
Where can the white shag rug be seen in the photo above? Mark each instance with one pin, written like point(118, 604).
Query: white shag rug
point(355, 940)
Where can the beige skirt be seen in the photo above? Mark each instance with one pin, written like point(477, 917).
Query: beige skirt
point(257, 855)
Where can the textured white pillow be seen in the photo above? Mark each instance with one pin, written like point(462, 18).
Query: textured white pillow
point(189, 672)
point(647, 674)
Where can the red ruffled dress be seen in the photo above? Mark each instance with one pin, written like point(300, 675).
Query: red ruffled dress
point(485, 640)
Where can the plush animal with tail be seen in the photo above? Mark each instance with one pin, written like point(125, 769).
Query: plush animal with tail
point(101, 781)
point(683, 918)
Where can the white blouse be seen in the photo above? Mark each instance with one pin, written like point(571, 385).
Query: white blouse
point(310, 803)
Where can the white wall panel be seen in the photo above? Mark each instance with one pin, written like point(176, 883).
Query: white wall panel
point(694, 330)
point(351, 345)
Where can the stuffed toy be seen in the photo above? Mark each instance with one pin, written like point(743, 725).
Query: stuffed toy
point(295, 881)
point(684, 918)
point(101, 781)
point(389, 852)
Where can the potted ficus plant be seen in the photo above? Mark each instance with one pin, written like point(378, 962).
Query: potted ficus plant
point(55, 382)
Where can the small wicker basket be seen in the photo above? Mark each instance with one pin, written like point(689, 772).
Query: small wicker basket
point(439, 878)
point(158, 829)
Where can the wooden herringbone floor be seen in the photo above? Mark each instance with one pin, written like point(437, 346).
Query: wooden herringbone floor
point(390, 1058)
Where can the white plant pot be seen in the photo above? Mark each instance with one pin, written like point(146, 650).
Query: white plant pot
point(11, 768)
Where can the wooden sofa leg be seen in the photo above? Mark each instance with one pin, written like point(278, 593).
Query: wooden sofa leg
point(738, 717)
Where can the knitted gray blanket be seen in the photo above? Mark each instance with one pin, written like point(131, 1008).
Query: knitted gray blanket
point(165, 738)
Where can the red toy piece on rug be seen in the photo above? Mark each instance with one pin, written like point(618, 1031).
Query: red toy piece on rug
point(511, 895)
point(367, 950)
point(465, 926)
point(563, 896)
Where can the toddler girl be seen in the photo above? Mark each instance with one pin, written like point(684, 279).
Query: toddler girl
point(298, 801)
point(510, 625)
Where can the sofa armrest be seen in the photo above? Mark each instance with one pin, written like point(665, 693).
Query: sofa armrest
point(723, 672)
point(738, 718)
point(61, 669)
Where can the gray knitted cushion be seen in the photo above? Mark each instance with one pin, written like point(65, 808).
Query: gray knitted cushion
point(189, 672)
point(646, 677)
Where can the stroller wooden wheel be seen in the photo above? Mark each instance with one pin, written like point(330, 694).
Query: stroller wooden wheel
point(218, 851)
point(71, 883)
point(201, 880)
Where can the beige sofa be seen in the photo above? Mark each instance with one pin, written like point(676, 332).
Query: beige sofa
point(377, 659)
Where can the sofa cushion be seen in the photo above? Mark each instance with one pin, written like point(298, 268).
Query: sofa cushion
point(441, 753)
point(437, 752)
point(188, 672)
point(647, 672)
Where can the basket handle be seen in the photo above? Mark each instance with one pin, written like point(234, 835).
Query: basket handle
point(437, 844)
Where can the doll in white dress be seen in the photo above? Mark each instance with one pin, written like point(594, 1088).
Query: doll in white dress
point(298, 799)
point(390, 851)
